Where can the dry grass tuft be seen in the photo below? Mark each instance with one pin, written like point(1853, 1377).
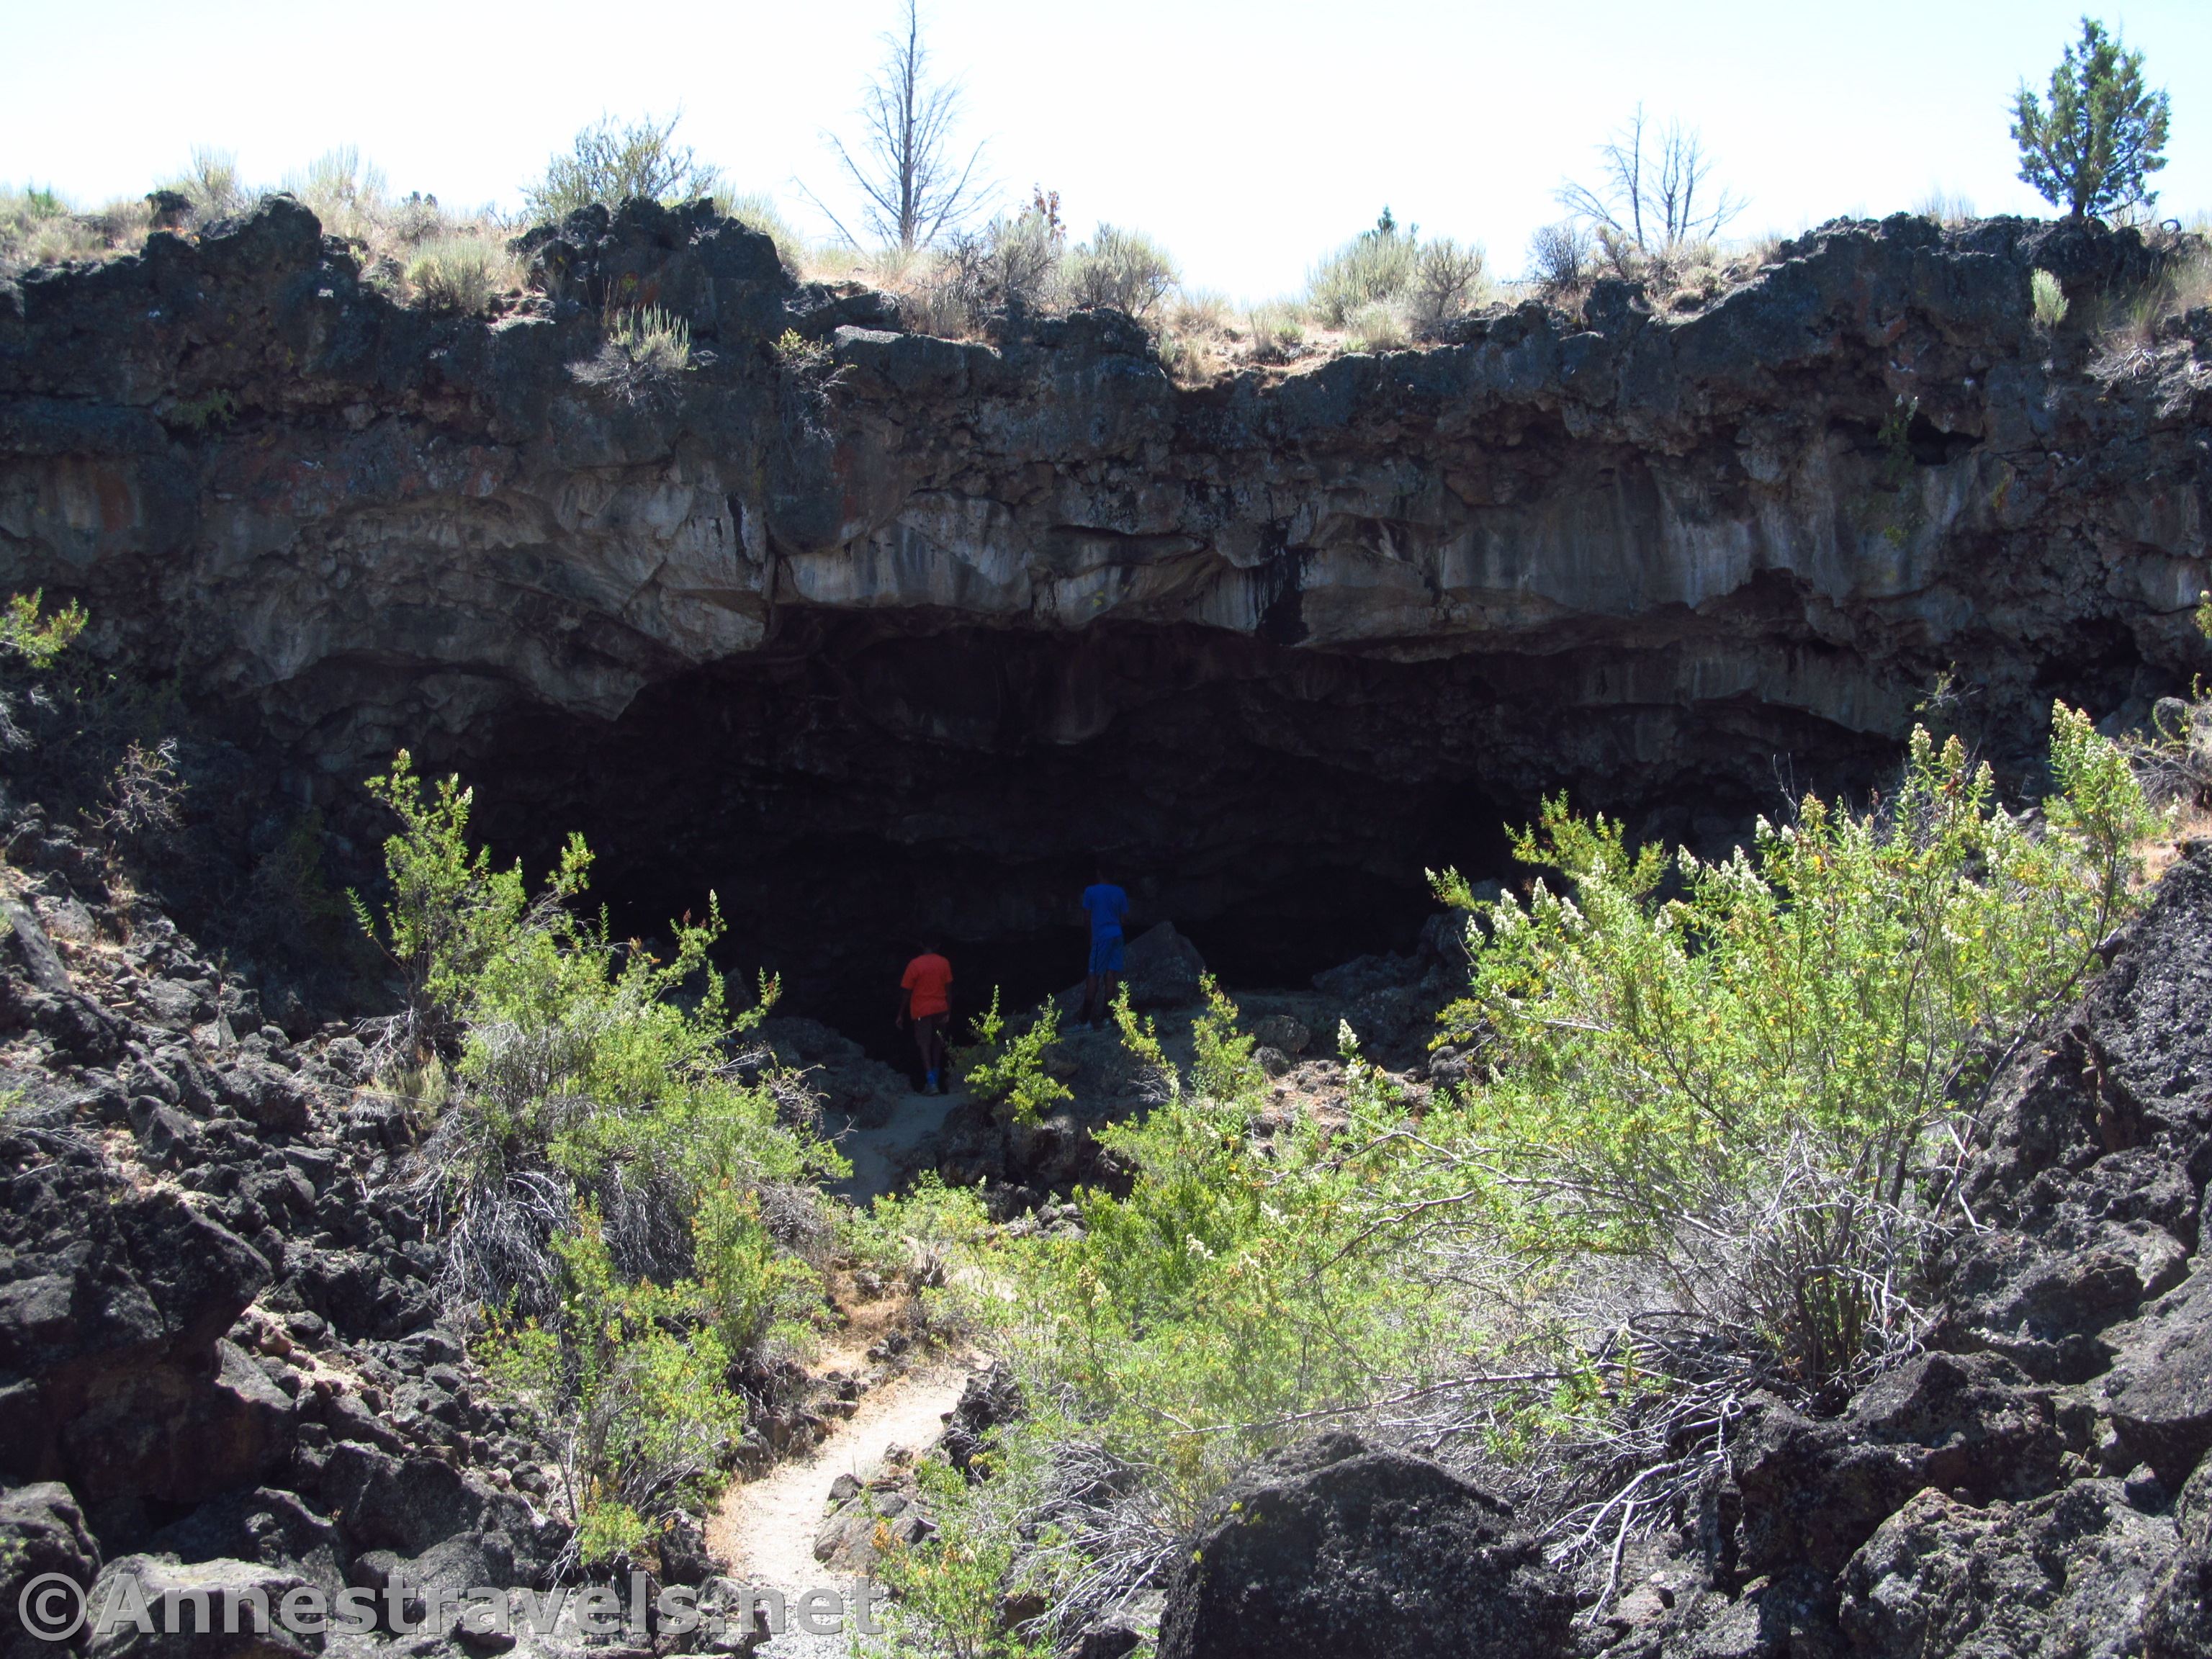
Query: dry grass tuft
point(411, 246)
point(39, 228)
point(460, 276)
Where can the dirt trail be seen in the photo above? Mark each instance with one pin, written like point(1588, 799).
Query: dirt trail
point(765, 1529)
point(878, 1154)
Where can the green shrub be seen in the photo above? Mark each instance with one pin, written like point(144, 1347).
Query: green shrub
point(1228, 1300)
point(35, 640)
point(1199, 310)
point(38, 227)
point(794, 350)
point(651, 337)
point(1278, 332)
point(911, 1234)
point(213, 185)
point(581, 1065)
point(1374, 268)
point(1561, 257)
point(1744, 1085)
point(950, 1590)
point(1447, 285)
point(1003, 1068)
point(1123, 268)
point(633, 1381)
point(610, 164)
point(345, 192)
point(1376, 327)
point(1231, 1290)
point(1013, 265)
point(635, 1219)
point(646, 348)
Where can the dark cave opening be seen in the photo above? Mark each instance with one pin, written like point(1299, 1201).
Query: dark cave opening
point(863, 784)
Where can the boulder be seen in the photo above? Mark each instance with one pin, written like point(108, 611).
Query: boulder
point(262, 1523)
point(1341, 1551)
point(113, 1299)
point(1814, 1490)
point(406, 1505)
point(992, 1397)
point(2069, 1573)
point(2176, 1620)
point(2089, 1192)
point(266, 1095)
point(889, 1507)
point(171, 1432)
point(42, 1531)
point(2160, 1391)
point(41, 961)
point(229, 1592)
point(463, 1562)
point(1161, 969)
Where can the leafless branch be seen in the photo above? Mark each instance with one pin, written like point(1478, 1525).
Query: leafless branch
point(913, 185)
point(1653, 193)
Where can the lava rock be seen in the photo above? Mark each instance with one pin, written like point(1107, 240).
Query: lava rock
point(990, 1398)
point(1813, 1490)
point(262, 1523)
point(42, 1531)
point(212, 1585)
point(1369, 1552)
point(1161, 969)
point(170, 1432)
point(267, 1095)
point(384, 1501)
point(2089, 1192)
point(2177, 1620)
point(2069, 1573)
point(111, 1302)
point(2161, 1388)
point(34, 950)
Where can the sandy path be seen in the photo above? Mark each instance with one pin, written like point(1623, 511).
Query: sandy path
point(765, 1529)
point(877, 1153)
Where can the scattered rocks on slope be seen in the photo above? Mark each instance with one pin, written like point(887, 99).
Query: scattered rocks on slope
point(219, 1362)
point(1972, 1425)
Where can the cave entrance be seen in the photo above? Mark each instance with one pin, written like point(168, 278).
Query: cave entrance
point(858, 789)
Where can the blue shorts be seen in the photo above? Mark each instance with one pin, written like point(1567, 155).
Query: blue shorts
point(1106, 954)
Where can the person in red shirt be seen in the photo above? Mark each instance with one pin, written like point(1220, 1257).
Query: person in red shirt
point(926, 1001)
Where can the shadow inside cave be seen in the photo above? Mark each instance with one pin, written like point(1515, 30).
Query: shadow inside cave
point(861, 787)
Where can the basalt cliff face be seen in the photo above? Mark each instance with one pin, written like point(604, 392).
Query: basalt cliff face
point(865, 629)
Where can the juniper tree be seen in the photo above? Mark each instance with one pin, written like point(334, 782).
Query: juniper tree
point(2090, 149)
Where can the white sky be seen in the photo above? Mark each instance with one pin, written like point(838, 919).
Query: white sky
point(1246, 136)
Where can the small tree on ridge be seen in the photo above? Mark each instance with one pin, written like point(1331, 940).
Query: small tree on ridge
point(1653, 194)
point(2090, 150)
point(913, 185)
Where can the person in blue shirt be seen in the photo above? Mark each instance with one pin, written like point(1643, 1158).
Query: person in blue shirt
point(1107, 906)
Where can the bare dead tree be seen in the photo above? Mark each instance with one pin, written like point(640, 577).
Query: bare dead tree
point(1652, 195)
point(913, 185)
